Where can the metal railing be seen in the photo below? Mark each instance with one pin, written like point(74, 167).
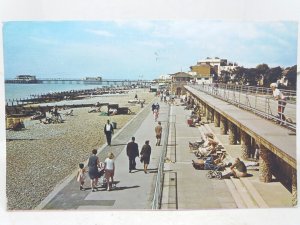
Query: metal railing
point(156, 202)
point(258, 100)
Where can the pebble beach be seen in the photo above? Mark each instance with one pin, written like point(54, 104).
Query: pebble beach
point(41, 156)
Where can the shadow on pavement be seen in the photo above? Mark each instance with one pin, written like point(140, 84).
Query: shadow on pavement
point(124, 187)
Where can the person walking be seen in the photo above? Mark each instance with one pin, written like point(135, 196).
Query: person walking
point(132, 151)
point(108, 130)
point(155, 113)
point(81, 176)
point(281, 101)
point(109, 170)
point(153, 107)
point(145, 155)
point(93, 165)
point(158, 132)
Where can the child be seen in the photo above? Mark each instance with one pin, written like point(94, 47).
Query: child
point(81, 175)
point(109, 169)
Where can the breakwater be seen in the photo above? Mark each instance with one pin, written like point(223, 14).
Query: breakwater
point(64, 95)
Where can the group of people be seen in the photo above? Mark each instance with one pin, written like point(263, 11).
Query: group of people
point(208, 147)
point(132, 151)
point(96, 168)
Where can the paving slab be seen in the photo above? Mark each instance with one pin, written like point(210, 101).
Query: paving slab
point(133, 190)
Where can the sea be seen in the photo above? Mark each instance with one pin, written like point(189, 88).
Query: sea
point(22, 91)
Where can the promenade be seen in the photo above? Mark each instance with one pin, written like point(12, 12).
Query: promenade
point(184, 187)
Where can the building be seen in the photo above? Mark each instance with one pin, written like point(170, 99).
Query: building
point(206, 70)
point(23, 79)
point(216, 63)
point(202, 73)
point(26, 78)
point(178, 81)
point(93, 78)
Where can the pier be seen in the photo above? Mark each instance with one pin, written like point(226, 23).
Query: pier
point(121, 82)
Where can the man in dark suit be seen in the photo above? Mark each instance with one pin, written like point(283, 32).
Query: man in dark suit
point(132, 152)
point(108, 130)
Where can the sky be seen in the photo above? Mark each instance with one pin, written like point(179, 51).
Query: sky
point(141, 49)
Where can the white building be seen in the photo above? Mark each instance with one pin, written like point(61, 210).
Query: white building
point(220, 64)
point(165, 77)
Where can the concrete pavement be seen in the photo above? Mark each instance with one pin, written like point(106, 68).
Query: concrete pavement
point(184, 187)
point(195, 191)
point(133, 190)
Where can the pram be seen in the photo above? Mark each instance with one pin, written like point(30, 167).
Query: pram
point(213, 169)
point(101, 171)
point(103, 182)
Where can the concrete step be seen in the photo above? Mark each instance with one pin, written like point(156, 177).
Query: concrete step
point(254, 193)
point(244, 194)
point(242, 190)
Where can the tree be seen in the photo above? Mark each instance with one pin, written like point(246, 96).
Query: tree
point(251, 76)
point(262, 68)
point(239, 74)
point(272, 76)
point(291, 75)
point(224, 77)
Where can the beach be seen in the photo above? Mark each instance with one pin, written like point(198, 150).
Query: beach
point(42, 155)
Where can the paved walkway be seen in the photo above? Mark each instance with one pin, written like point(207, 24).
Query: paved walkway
point(194, 191)
point(184, 187)
point(279, 140)
point(133, 190)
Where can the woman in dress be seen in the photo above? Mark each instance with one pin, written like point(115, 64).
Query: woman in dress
point(145, 155)
point(93, 165)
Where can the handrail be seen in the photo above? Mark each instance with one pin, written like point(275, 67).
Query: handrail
point(261, 99)
point(156, 202)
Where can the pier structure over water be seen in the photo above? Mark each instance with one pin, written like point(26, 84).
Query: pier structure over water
point(277, 143)
point(121, 82)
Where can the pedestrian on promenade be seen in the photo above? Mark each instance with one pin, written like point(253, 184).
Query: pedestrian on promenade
point(145, 155)
point(153, 107)
point(158, 132)
point(109, 170)
point(108, 130)
point(132, 151)
point(155, 114)
point(239, 168)
point(81, 176)
point(93, 165)
point(157, 107)
point(281, 101)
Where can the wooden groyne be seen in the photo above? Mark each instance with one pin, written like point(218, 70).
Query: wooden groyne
point(65, 95)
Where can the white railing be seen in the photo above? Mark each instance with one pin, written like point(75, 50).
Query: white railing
point(258, 100)
point(156, 202)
